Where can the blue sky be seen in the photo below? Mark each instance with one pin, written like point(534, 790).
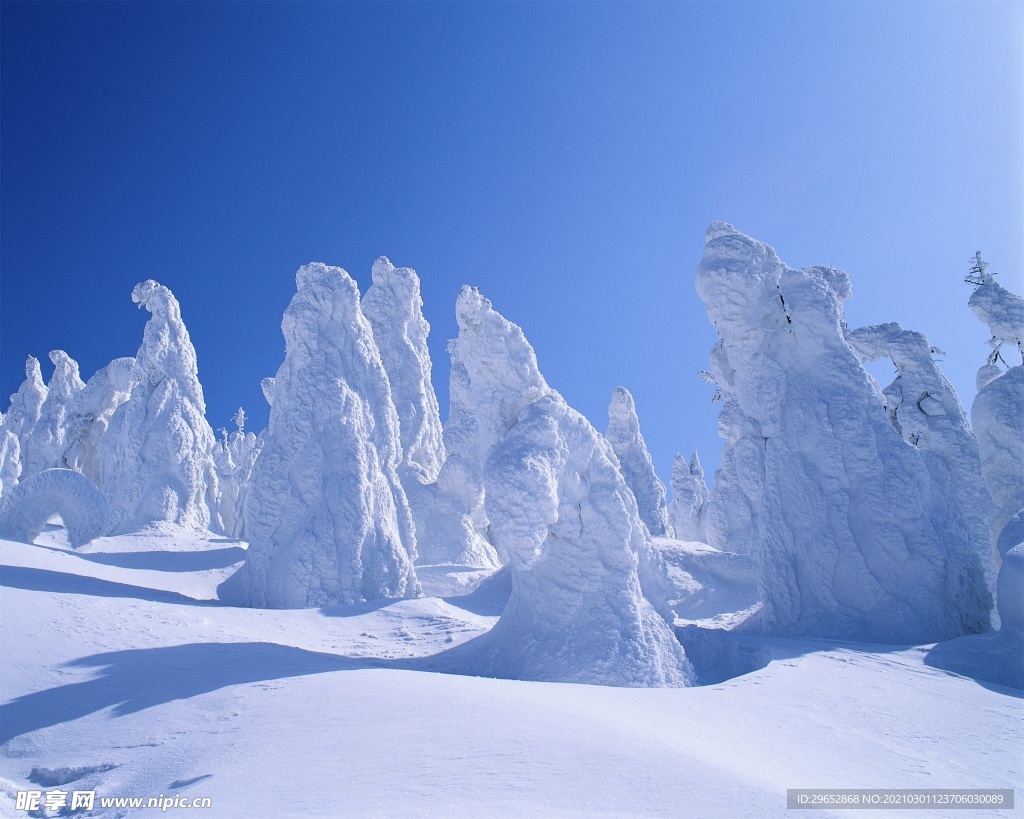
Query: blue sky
point(565, 158)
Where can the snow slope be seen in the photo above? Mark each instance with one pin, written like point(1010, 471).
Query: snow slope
point(121, 672)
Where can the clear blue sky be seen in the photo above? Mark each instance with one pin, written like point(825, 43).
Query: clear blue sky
point(566, 158)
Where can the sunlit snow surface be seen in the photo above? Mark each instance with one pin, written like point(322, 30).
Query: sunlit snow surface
point(120, 669)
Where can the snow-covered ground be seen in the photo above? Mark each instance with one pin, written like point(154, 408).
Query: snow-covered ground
point(122, 673)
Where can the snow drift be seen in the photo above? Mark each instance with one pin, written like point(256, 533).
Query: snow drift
point(852, 534)
point(327, 519)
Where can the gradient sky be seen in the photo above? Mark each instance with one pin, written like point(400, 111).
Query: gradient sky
point(565, 158)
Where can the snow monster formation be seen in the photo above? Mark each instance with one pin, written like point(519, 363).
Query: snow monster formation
point(51, 434)
point(998, 416)
point(688, 510)
point(854, 539)
point(561, 511)
point(23, 413)
point(156, 455)
point(109, 387)
point(623, 434)
point(234, 457)
point(82, 507)
point(327, 519)
point(394, 308)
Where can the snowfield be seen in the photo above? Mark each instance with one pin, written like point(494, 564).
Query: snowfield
point(122, 674)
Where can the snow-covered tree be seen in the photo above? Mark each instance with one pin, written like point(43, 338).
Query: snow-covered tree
point(627, 442)
point(690, 495)
point(328, 522)
point(156, 457)
point(854, 537)
point(560, 510)
point(51, 435)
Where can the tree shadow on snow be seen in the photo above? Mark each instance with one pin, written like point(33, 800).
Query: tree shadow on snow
point(47, 580)
point(136, 679)
point(170, 561)
point(994, 661)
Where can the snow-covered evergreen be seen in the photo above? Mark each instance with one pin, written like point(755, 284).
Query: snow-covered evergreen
point(394, 308)
point(328, 521)
point(94, 410)
point(560, 510)
point(854, 537)
point(51, 434)
point(26, 404)
point(234, 457)
point(924, 408)
point(688, 509)
point(623, 434)
point(10, 459)
point(156, 457)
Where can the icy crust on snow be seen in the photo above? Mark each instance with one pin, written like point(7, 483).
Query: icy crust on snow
point(688, 510)
point(156, 455)
point(635, 462)
point(924, 408)
point(25, 511)
point(328, 522)
point(559, 507)
point(853, 537)
point(394, 308)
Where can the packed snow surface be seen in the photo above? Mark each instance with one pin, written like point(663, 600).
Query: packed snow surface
point(122, 674)
point(327, 517)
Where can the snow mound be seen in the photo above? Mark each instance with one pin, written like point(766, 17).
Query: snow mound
point(63, 492)
point(157, 454)
point(851, 539)
point(327, 518)
point(708, 587)
point(623, 434)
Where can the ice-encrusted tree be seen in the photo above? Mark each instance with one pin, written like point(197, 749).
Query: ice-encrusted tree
point(93, 412)
point(494, 375)
point(51, 434)
point(687, 511)
point(560, 510)
point(83, 508)
point(627, 442)
point(328, 522)
point(998, 417)
point(23, 413)
point(854, 537)
point(234, 457)
point(924, 409)
point(394, 308)
point(156, 456)
point(10, 459)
